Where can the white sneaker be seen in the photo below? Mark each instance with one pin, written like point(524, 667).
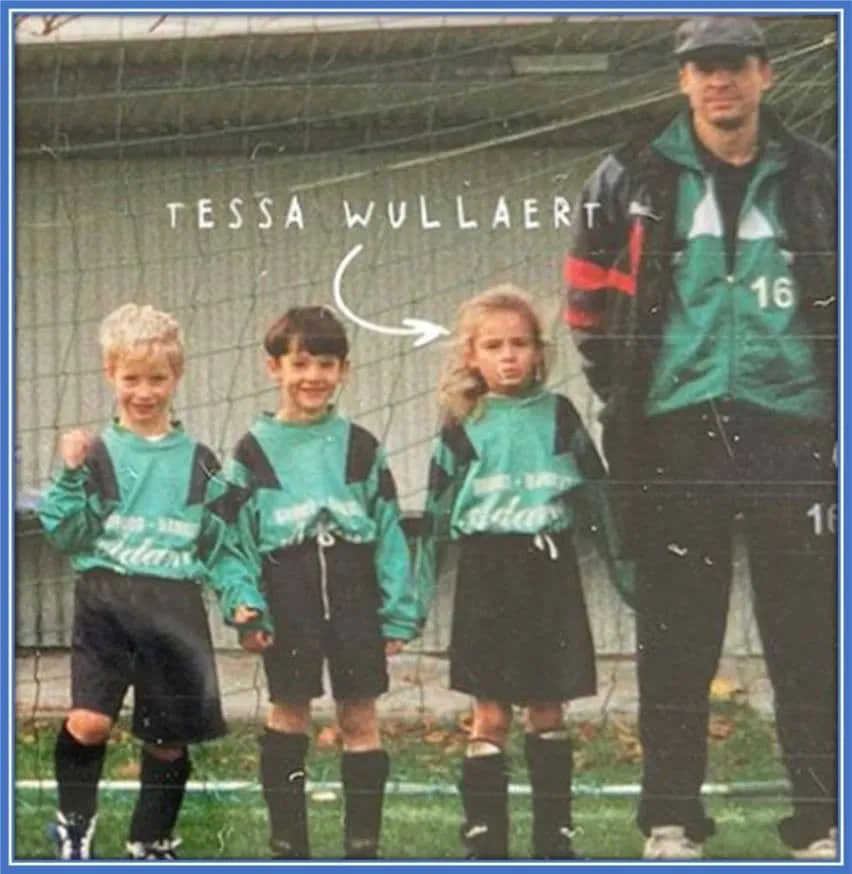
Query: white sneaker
point(163, 849)
point(670, 842)
point(73, 836)
point(824, 848)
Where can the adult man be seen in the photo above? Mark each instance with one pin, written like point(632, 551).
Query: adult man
point(702, 296)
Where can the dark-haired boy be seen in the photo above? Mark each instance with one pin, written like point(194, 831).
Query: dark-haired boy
point(315, 507)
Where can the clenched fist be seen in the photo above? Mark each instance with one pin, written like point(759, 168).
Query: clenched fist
point(74, 447)
point(255, 640)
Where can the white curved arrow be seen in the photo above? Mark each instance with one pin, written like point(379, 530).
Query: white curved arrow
point(423, 330)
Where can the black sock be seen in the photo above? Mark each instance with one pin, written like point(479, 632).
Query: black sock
point(484, 790)
point(160, 798)
point(550, 762)
point(282, 776)
point(364, 775)
point(78, 771)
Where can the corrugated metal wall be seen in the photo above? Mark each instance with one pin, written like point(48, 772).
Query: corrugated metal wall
point(94, 234)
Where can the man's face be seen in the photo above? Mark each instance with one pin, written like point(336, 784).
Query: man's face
point(725, 87)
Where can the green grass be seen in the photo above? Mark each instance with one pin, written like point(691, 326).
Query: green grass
point(233, 825)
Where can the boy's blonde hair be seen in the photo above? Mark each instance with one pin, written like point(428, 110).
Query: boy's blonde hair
point(135, 330)
point(461, 388)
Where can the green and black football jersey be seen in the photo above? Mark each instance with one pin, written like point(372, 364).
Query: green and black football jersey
point(519, 465)
point(145, 507)
point(292, 482)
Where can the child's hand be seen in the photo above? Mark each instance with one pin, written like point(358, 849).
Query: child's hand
point(393, 647)
point(255, 640)
point(74, 447)
point(244, 615)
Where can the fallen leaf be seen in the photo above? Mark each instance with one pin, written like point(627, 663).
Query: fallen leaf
point(629, 749)
point(392, 728)
point(437, 736)
point(127, 769)
point(725, 689)
point(624, 729)
point(630, 753)
point(586, 731)
point(720, 728)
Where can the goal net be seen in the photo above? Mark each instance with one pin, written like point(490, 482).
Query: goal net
point(224, 168)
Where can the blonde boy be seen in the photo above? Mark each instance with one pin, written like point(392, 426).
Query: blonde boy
point(135, 508)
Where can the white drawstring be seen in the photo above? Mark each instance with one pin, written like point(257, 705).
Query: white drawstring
point(325, 539)
point(545, 543)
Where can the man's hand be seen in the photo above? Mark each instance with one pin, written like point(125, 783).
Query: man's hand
point(74, 448)
point(256, 640)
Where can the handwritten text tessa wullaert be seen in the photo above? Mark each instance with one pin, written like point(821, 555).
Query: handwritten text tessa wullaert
point(265, 213)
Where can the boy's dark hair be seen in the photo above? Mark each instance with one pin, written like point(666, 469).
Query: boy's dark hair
point(315, 329)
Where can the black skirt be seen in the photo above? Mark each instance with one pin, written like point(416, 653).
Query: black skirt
point(520, 630)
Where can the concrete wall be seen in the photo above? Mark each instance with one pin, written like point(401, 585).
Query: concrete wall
point(44, 605)
point(94, 234)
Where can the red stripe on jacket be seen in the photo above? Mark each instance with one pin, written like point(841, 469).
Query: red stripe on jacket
point(584, 275)
point(588, 276)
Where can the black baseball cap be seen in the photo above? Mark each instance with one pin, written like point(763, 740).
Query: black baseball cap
point(711, 33)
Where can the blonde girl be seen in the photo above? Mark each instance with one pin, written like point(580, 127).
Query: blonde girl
point(513, 476)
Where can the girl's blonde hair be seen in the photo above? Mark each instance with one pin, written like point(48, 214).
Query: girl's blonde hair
point(461, 388)
point(133, 330)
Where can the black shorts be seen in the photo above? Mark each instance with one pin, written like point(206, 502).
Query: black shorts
point(520, 629)
point(153, 635)
point(337, 620)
